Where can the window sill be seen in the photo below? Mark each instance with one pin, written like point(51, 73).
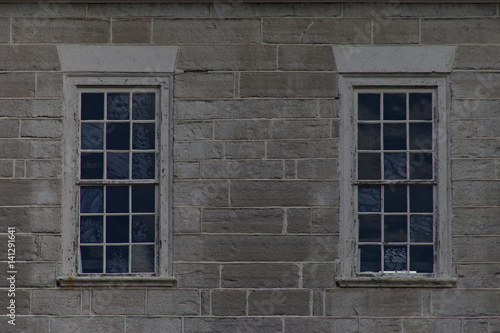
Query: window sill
point(118, 282)
point(397, 282)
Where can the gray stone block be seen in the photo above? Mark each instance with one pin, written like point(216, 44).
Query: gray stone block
point(475, 193)
point(298, 220)
point(184, 31)
point(186, 220)
point(17, 84)
point(476, 221)
point(245, 150)
point(43, 9)
point(286, 10)
point(9, 128)
point(397, 302)
point(32, 219)
point(87, 324)
point(18, 149)
point(46, 149)
point(461, 129)
point(475, 108)
point(283, 193)
point(149, 10)
point(242, 220)
point(468, 169)
point(197, 275)
point(43, 169)
point(484, 249)
point(116, 301)
point(20, 169)
point(193, 131)
point(56, 302)
point(197, 150)
point(206, 303)
point(4, 30)
point(49, 85)
point(28, 57)
point(478, 276)
point(417, 325)
point(242, 170)
point(319, 276)
point(316, 31)
point(321, 325)
point(288, 84)
point(382, 326)
point(245, 109)
point(23, 301)
point(325, 220)
point(240, 325)
point(31, 108)
point(279, 302)
point(50, 248)
point(317, 169)
point(474, 148)
point(201, 85)
point(153, 324)
point(459, 31)
point(127, 31)
point(475, 85)
point(399, 9)
point(260, 275)
point(173, 302)
point(290, 169)
point(474, 57)
point(222, 10)
point(21, 192)
point(327, 148)
point(227, 58)
point(26, 246)
point(32, 128)
point(461, 249)
point(488, 128)
point(255, 248)
point(318, 304)
point(305, 58)
point(187, 170)
point(229, 302)
point(27, 324)
point(395, 31)
point(467, 303)
point(329, 108)
point(6, 168)
point(54, 30)
point(200, 193)
point(475, 325)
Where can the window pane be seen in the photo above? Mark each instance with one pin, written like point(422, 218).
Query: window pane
point(118, 166)
point(421, 229)
point(394, 166)
point(143, 136)
point(118, 136)
point(118, 106)
point(368, 166)
point(395, 258)
point(421, 199)
point(395, 198)
point(143, 228)
point(92, 136)
point(143, 199)
point(117, 199)
point(395, 228)
point(117, 229)
point(369, 199)
point(395, 136)
point(422, 258)
point(369, 106)
point(91, 199)
point(143, 258)
point(421, 166)
point(117, 259)
point(91, 258)
point(91, 166)
point(369, 258)
point(369, 228)
point(91, 229)
point(421, 106)
point(143, 106)
point(394, 106)
point(420, 136)
point(143, 165)
point(92, 106)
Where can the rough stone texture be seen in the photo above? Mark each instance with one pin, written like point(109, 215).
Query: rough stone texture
point(302, 149)
point(147, 10)
point(131, 31)
point(197, 85)
point(398, 9)
point(112, 302)
point(193, 131)
point(475, 193)
point(317, 169)
point(479, 276)
point(475, 326)
point(432, 325)
point(27, 324)
point(186, 220)
point(260, 276)
point(30, 192)
point(31, 219)
point(26, 246)
point(240, 325)
point(201, 193)
point(279, 302)
point(242, 220)
point(380, 325)
point(483, 249)
point(476, 221)
point(475, 85)
point(464, 31)
point(279, 10)
point(466, 169)
point(298, 220)
point(197, 150)
point(473, 57)
point(245, 150)
point(43, 168)
point(87, 324)
point(242, 170)
point(320, 325)
point(305, 58)
point(173, 302)
point(392, 31)
point(153, 325)
point(465, 303)
point(229, 302)
point(17, 84)
point(197, 275)
point(186, 170)
point(49, 85)
point(56, 302)
point(319, 275)
point(41, 128)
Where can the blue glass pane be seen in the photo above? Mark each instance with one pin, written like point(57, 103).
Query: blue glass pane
point(92, 135)
point(143, 165)
point(118, 136)
point(117, 199)
point(143, 106)
point(395, 258)
point(421, 229)
point(395, 166)
point(118, 106)
point(422, 258)
point(395, 136)
point(394, 106)
point(369, 258)
point(368, 166)
point(91, 258)
point(117, 229)
point(395, 228)
point(420, 106)
point(420, 136)
point(395, 199)
point(91, 229)
point(143, 136)
point(421, 166)
point(143, 228)
point(421, 199)
point(143, 199)
point(92, 106)
point(368, 106)
point(91, 199)
point(369, 228)
point(117, 259)
point(369, 199)
point(143, 258)
point(118, 165)
point(91, 166)
point(368, 136)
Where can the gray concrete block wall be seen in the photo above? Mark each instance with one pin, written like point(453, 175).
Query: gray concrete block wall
point(255, 157)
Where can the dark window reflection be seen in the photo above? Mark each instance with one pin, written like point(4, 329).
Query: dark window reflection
point(143, 106)
point(395, 198)
point(92, 136)
point(91, 199)
point(395, 136)
point(143, 165)
point(143, 228)
point(420, 106)
point(91, 166)
point(422, 258)
point(92, 106)
point(118, 106)
point(394, 106)
point(118, 136)
point(143, 199)
point(395, 228)
point(369, 228)
point(369, 199)
point(421, 166)
point(395, 258)
point(117, 259)
point(117, 198)
point(421, 229)
point(420, 136)
point(143, 258)
point(421, 199)
point(117, 229)
point(91, 229)
point(143, 136)
point(92, 259)
point(369, 106)
point(118, 166)
point(370, 258)
point(394, 166)
point(368, 166)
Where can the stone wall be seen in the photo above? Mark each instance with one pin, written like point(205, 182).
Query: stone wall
point(255, 157)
